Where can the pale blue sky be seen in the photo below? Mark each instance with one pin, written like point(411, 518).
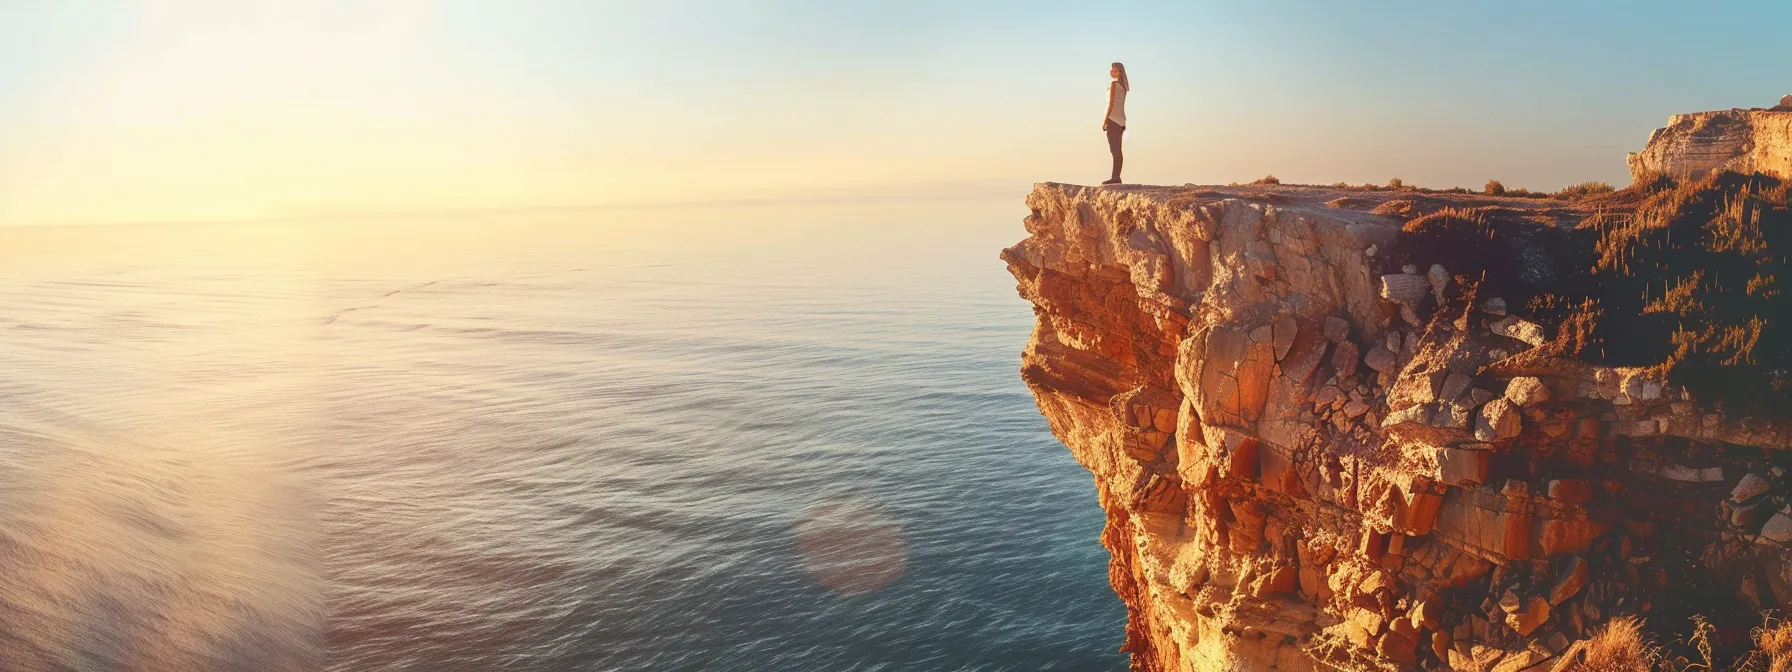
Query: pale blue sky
point(143, 109)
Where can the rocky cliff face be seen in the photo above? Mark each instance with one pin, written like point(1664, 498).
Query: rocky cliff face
point(1376, 430)
point(1699, 144)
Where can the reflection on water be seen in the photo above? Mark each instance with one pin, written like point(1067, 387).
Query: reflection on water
point(125, 556)
point(708, 439)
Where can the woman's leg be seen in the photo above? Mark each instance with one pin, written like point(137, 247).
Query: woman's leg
point(1114, 131)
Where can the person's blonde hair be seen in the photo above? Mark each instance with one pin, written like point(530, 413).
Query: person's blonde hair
point(1122, 68)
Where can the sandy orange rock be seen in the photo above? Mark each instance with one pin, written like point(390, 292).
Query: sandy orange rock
point(1357, 461)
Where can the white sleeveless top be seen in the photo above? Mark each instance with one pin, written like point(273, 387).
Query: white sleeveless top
point(1118, 116)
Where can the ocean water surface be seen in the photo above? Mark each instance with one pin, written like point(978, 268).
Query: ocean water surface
point(747, 438)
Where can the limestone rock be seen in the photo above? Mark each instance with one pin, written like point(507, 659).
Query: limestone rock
point(1293, 458)
point(1164, 420)
point(1510, 602)
point(1520, 329)
point(1478, 396)
point(1463, 466)
point(1498, 420)
point(1527, 619)
point(1698, 144)
point(1454, 385)
point(1344, 358)
point(1380, 359)
point(1403, 288)
point(1750, 487)
point(1451, 415)
point(1778, 528)
point(1527, 391)
point(1686, 474)
point(1570, 583)
point(1398, 647)
point(1284, 328)
point(1336, 329)
point(1420, 414)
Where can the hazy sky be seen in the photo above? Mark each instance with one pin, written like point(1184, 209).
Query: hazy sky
point(130, 110)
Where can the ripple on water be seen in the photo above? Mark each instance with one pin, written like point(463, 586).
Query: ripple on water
point(565, 456)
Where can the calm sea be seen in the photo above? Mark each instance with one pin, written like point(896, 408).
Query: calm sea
point(747, 438)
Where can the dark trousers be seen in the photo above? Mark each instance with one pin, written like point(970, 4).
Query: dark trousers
point(1114, 131)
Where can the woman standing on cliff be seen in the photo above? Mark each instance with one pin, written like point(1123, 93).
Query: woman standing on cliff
point(1114, 122)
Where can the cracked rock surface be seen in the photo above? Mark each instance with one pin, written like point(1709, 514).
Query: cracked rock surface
point(1312, 458)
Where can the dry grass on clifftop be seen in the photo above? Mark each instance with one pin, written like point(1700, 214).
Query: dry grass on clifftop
point(1684, 276)
point(1695, 273)
point(1620, 647)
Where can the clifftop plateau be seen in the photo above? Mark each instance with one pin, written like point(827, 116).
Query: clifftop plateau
point(1388, 429)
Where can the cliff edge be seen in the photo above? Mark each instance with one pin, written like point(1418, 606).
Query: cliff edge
point(1353, 429)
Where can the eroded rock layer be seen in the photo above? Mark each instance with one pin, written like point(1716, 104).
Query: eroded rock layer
point(1318, 449)
point(1702, 143)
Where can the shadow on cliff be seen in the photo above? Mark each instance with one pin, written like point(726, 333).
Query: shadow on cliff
point(1680, 275)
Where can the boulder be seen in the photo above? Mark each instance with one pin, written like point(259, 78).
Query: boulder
point(1284, 328)
point(1439, 279)
point(1496, 421)
point(1778, 528)
point(1344, 358)
point(1380, 359)
point(1399, 647)
point(1574, 579)
point(1527, 619)
point(1363, 627)
point(1454, 385)
point(1750, 487)
point(1404, 288)
point(1461, 466)
point(1519, 329)
point(1527, 391)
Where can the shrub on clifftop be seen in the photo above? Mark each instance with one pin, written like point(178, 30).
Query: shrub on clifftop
point(1584, 190)
point(1686, 277)
point(1698, 269)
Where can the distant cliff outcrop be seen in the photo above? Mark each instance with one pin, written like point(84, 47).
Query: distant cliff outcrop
point(1389, 429)
point(1703, 143)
